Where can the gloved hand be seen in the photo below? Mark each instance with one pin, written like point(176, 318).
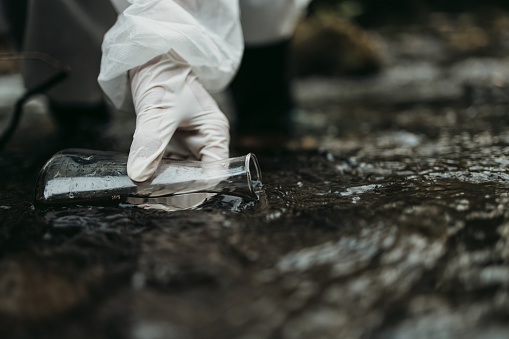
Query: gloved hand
point(175, 113)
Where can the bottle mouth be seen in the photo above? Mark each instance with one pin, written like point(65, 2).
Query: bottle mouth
point(254, 174)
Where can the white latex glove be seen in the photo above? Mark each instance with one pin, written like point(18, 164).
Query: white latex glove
point(174, 112)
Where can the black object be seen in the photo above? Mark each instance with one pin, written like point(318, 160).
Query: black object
point(261, 90)
point(81, 121)
point(62, 73)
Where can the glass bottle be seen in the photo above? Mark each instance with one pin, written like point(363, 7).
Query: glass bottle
point(86, 176)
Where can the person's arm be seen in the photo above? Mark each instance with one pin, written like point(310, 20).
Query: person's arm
point(175, 113)
point(174, 51)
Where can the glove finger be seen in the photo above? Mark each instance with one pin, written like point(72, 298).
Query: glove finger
point(177, 148)
point(208, 141)
point(154, 129)
point(208, 129)
point(217, 144)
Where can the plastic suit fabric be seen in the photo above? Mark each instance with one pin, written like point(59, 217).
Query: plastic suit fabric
point(207, 34)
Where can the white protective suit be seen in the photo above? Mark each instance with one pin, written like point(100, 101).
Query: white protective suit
point(171, 48)
point(199, 42)
point(207, 34)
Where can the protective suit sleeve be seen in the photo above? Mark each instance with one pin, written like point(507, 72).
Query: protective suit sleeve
point(206, 34)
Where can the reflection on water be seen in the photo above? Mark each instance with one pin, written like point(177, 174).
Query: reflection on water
point(171, 203)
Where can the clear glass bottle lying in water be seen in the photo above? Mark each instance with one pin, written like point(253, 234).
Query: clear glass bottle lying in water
point(79, 176)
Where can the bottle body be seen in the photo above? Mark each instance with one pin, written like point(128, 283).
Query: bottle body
point(81, 176)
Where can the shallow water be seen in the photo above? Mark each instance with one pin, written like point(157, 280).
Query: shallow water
point(381, 218)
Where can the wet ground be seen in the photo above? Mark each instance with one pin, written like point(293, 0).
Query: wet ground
point(387, 216)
